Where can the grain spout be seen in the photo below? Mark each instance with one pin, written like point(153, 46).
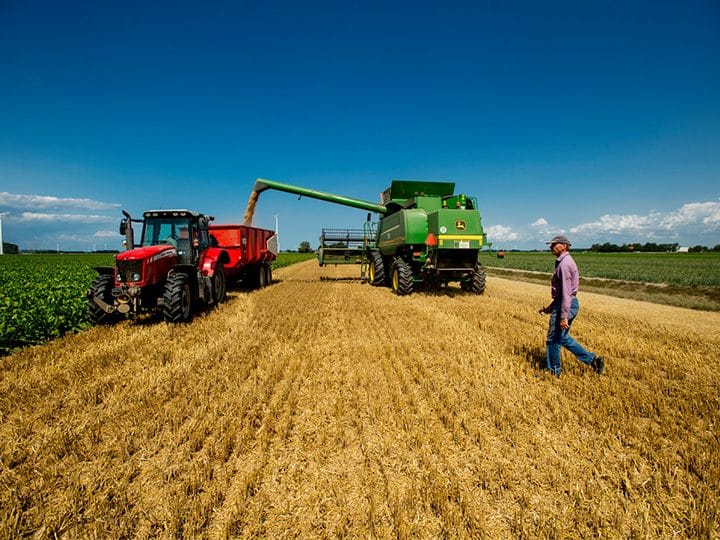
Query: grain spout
point(250, 210)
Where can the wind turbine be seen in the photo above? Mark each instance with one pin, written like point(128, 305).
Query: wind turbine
point(275, 215)
point(2, 215)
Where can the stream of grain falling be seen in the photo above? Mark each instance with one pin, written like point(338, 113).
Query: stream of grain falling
point(250, 210)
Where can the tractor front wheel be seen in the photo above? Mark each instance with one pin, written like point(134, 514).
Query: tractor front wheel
point(376, 269)
point(177, 300)
point(102, 289)
point(402, 279)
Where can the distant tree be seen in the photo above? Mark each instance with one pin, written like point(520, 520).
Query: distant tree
point(304, 247)
point(716, 247)
point(607, 247)
point(697, 249)
point(10, 248)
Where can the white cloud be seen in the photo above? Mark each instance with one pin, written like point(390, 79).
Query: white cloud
point(707, 213)
point(691, 218)
point(543, 231)
point(54, 218)
point(41, 202)
point(501, 233)
point(106, 234)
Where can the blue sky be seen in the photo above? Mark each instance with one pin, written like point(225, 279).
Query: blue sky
point(600, 120)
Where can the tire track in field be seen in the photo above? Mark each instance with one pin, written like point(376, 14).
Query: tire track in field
point(415, 412)
point(277, 406)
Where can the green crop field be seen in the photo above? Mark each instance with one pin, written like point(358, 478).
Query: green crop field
point(286, 259)
point(683, 269)
point(43, 296)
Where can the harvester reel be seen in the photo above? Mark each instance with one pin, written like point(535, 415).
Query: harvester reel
point(177, 301)
point(376, 269)
point(402, 278)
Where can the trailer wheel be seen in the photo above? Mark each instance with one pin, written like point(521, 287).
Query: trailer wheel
point(102, 288)
point(402, 281)
point(376, 269)
point(262, 277)
point(477, 284)
point(219, 284)
point(268, 275)
point(177, 301)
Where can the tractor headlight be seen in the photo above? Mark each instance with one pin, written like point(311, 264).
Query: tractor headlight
point(136, 277)
point(118, 277)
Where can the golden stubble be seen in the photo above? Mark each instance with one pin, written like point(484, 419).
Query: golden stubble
point(322, 406)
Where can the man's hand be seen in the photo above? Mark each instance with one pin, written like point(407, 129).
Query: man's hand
point(564, 324)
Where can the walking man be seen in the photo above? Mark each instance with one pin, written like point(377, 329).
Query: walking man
point(563, 310)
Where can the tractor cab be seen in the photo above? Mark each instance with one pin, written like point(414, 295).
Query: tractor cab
point(185, 230)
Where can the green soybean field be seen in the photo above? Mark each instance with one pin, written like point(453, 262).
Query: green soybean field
point(682, 269)
point(42, 296)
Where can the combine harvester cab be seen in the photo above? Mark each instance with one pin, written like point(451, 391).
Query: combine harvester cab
point(427, 235)
point(180, 264)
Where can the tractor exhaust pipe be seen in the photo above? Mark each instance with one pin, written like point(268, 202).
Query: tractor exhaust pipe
point(126, 229)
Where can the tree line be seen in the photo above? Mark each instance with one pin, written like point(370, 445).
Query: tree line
point(648, 247)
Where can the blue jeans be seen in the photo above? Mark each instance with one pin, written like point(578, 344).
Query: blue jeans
point(557, 337)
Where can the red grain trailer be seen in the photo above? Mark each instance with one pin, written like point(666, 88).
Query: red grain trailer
point(250, 249)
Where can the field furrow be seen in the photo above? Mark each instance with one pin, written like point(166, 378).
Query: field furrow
point(321, 406)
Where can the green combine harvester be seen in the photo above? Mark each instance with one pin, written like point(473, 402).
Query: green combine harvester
point(426, 236)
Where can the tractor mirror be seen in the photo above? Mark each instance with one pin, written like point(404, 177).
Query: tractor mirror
point(123, 226)
point(369, 216)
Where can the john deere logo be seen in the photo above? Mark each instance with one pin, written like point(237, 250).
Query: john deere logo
point(460, 225)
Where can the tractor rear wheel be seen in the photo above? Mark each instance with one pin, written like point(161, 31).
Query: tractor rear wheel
point(402, 280)
point(376, 269)
point(102, 288)
point(219, 284)
point(177, 300)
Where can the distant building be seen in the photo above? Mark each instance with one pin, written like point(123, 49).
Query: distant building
point(683, 249)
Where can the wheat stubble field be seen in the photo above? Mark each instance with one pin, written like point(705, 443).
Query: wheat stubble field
point(323, 407)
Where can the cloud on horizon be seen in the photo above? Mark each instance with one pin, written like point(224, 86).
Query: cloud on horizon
point(689, 219)
point(106, 234)
point(41, 202)
point(689, 223)
point(501, 233)
point(49, 217)
point(46, 221)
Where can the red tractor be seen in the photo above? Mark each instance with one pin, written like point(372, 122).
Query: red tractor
point(181, 263)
